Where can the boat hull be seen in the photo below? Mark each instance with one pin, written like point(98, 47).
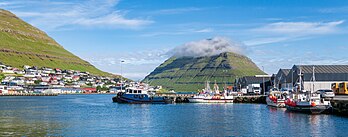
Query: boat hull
point(319, 109)
point(158, 100)
point(278, 103)
point(202, 100)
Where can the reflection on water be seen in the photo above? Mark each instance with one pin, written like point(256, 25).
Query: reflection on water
point(96, 115)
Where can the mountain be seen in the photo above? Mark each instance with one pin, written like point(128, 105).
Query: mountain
point(22, 44)
point(190, 73)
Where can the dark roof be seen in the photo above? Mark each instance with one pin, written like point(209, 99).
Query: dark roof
point(254, 80)
point(323, 68)
point(321, 72)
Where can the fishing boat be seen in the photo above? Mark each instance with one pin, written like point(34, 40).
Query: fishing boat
point(276, 98)
point(305, 101)
point(209, 96)
point(134, 95)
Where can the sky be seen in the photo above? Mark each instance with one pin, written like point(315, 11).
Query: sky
point(274, 34)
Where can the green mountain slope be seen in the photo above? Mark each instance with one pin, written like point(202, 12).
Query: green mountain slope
point(190, 74)
point(22, 44)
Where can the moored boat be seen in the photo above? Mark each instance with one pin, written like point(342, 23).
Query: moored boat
point(307, 102)
point(135, 95)
point(276, 99)
point(209, 96)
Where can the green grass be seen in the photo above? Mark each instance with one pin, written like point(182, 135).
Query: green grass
point(28, 45)
point(190, 74)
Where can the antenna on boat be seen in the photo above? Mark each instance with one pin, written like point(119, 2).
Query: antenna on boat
point(313, 80)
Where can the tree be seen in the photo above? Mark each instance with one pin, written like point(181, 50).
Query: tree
point(2, 76)
point(99, 88)
point(37, 82)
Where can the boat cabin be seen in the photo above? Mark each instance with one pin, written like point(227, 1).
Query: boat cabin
point(135, 91)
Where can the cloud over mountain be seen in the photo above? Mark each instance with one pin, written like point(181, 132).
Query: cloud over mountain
point(207, 47)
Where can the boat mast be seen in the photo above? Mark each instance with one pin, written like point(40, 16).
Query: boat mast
point(300, 81)
point(313, 80)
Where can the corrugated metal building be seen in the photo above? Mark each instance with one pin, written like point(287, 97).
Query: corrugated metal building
point(324, 76)
point(258, 79)
point(280, 80)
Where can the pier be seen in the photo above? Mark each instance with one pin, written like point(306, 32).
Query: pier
point(183, 98)
point(340, 105)
point(30, 94)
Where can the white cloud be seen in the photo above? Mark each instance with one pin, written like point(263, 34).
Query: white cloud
point(334, 10)
point(206, 30)
point(136, 64)
point(178, 32)
point(292, 31)
point(261, 41)
point(207, 47)
point(301, 28)
point(175, 10)
point(56, 15)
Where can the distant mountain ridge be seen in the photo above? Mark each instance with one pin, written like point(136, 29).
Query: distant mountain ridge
point(190, 73)
point(22, 44)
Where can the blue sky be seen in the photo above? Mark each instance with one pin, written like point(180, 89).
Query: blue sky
point(274, 34)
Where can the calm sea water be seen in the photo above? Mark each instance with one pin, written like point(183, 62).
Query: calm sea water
point(96, 115)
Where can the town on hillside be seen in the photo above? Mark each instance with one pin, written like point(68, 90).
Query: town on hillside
point(46, 80)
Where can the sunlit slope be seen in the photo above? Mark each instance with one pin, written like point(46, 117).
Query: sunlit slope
point(22, 44)
point(190, 74)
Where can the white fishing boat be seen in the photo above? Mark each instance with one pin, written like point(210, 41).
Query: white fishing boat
point(305, 101)
point(276, 99)
point(209, 96)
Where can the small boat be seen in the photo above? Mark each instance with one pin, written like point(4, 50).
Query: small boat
point(276, 99)
point(208, 96)
point(135, 95)
point(307, 102)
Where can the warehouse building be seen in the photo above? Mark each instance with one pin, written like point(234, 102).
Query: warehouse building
point(314, 77)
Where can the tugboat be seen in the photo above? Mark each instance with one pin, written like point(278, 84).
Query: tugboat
point(276, 99)
point(135, 95)
point(209, 96)
point(307, 102)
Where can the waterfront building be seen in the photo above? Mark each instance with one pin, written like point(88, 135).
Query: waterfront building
point(244, 83)
point(325, 75)
point(280, 79)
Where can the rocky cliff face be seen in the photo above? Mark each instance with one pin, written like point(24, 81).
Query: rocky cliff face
point(190, 73)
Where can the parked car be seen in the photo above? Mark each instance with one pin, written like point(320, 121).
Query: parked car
point(326, 93)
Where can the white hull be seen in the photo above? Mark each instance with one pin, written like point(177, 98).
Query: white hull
point(210, 100)
point(278, 104)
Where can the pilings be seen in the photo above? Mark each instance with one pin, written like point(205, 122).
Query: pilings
point(259, 99)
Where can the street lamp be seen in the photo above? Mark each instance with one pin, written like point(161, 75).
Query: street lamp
point(121, 75)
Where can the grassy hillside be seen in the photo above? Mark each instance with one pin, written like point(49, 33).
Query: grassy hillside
point(190, 74)
point(22, 44)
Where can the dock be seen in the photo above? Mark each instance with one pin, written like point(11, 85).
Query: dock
point(183, 98)
point(340, 105)
point(30, 94)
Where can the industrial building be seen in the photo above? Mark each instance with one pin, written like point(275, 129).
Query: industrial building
point(314, 77)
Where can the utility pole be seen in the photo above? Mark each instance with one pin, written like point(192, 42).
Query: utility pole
point(263, 82)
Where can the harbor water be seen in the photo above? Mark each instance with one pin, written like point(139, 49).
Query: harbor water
point(96, 115)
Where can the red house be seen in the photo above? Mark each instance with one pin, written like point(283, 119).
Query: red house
point(89, 90)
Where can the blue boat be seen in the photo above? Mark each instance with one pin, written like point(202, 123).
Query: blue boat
point(140, 96)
